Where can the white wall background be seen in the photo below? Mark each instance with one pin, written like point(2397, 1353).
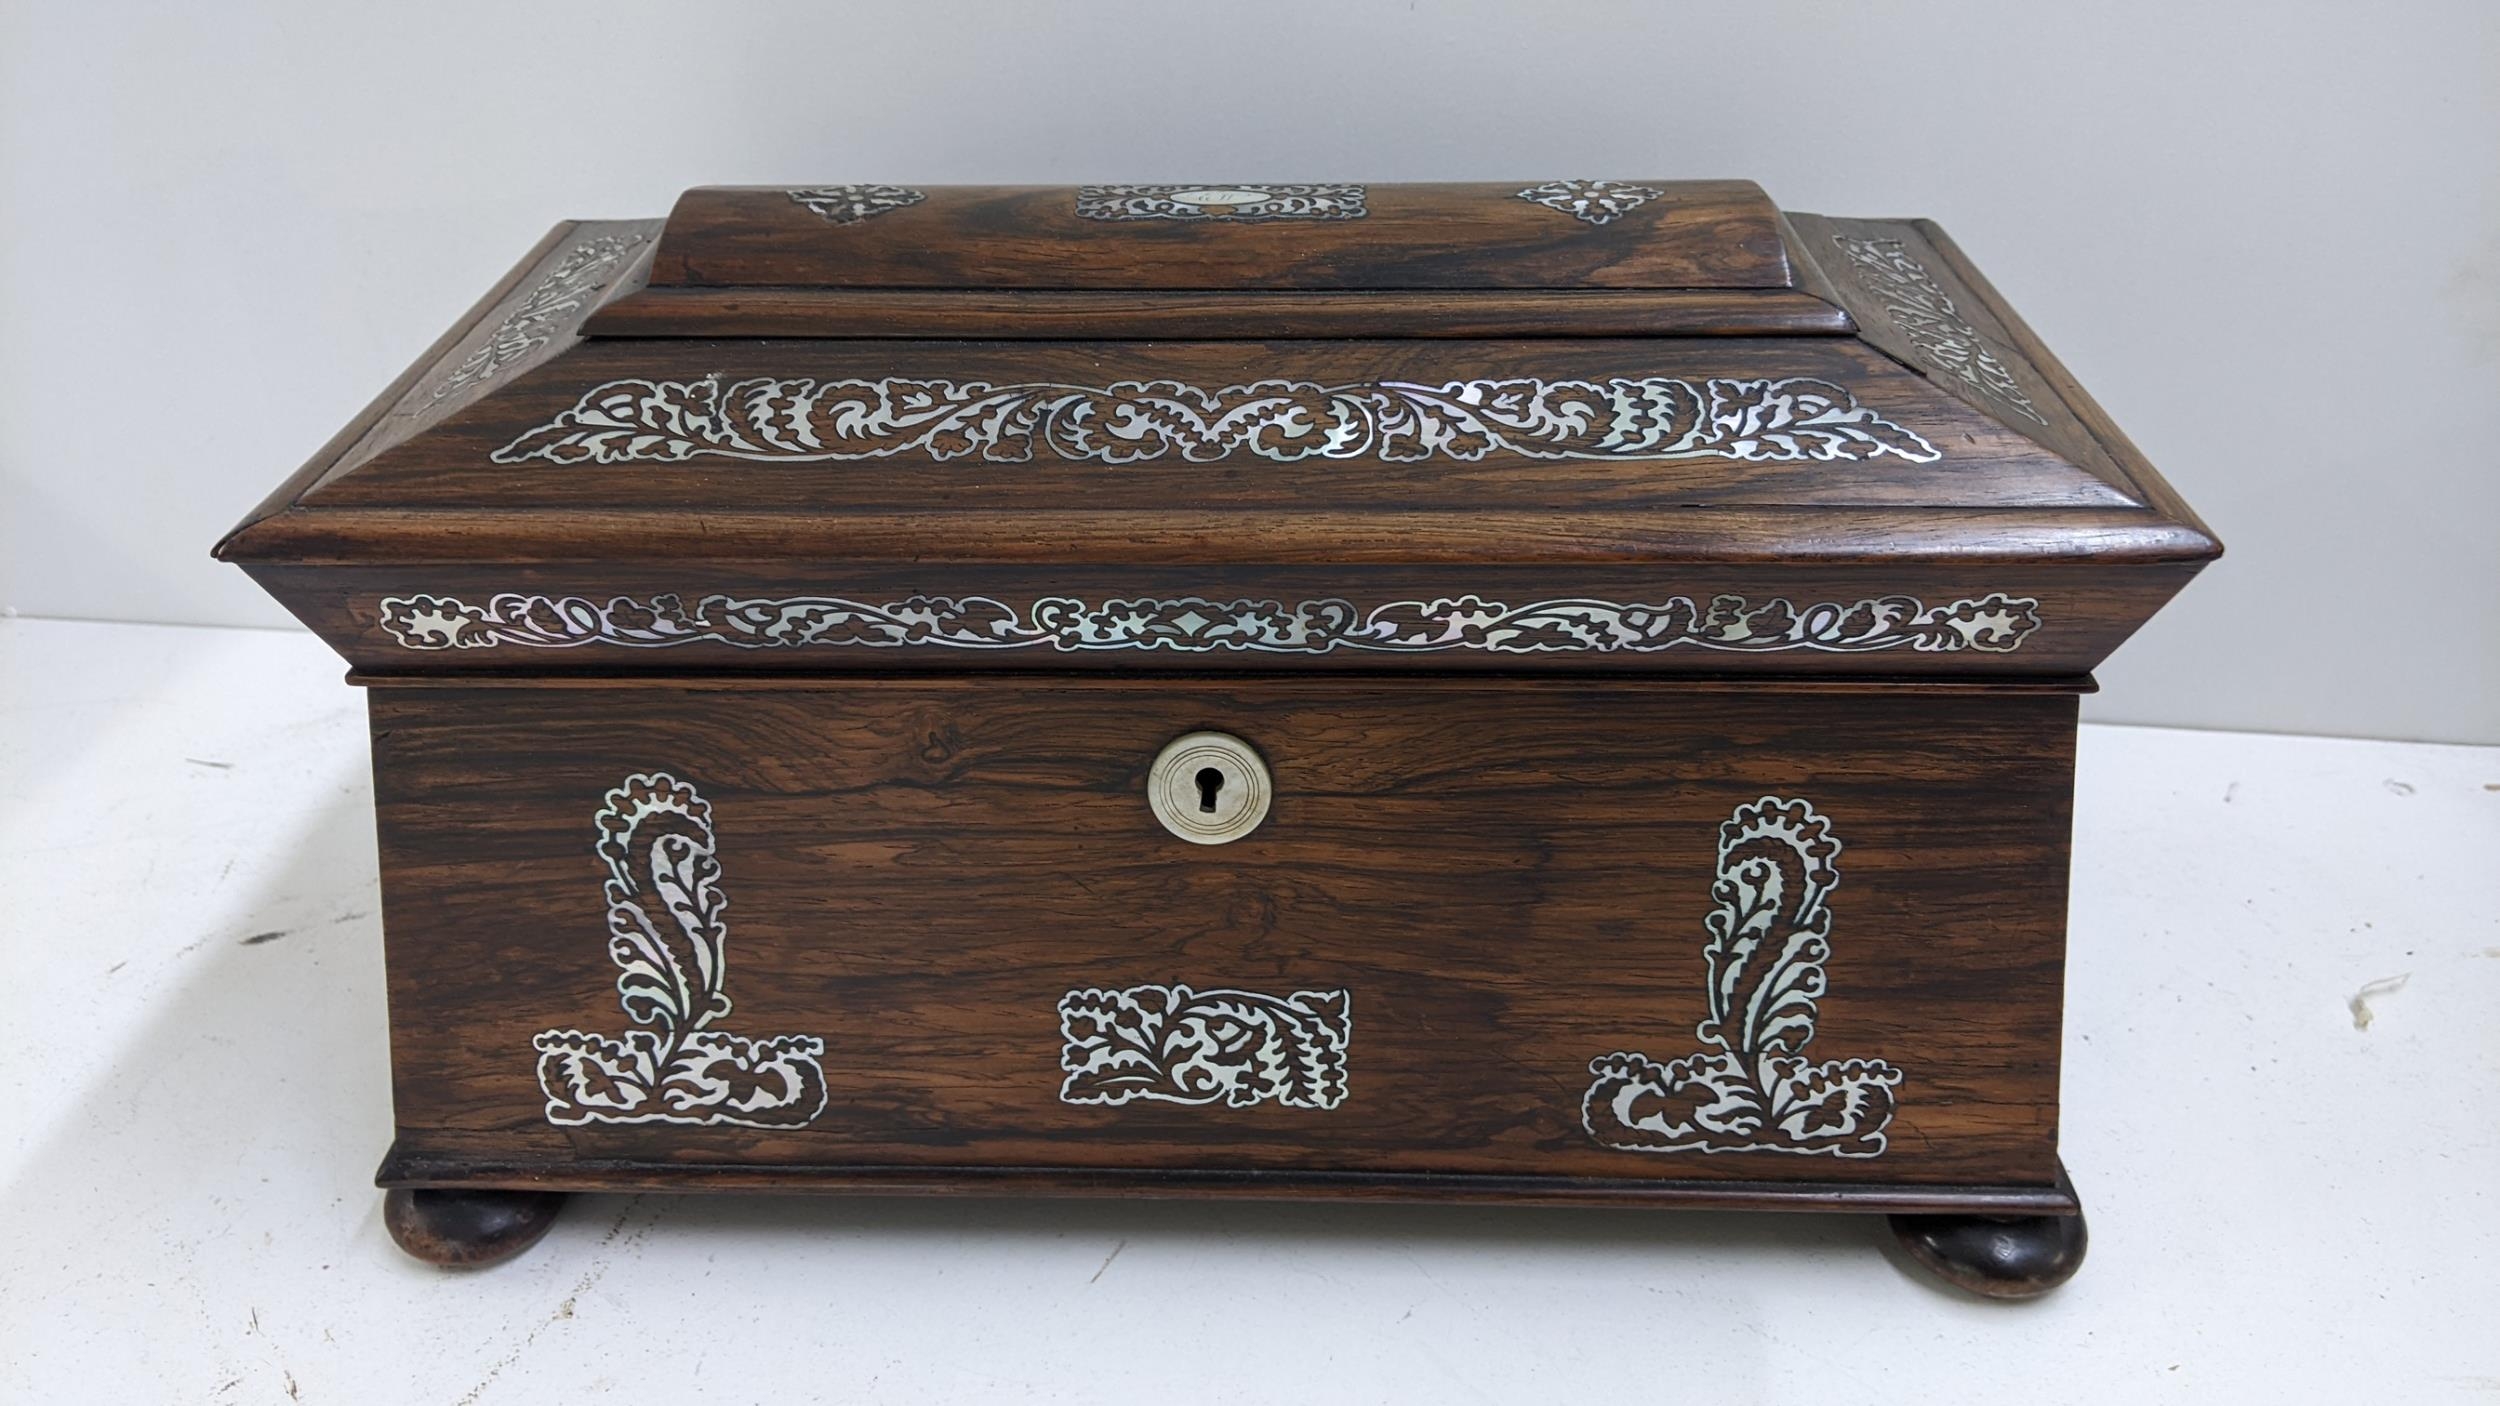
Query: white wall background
point(2267, 235)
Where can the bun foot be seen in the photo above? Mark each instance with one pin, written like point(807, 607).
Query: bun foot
point(2019, 1257)
point(468, 1229)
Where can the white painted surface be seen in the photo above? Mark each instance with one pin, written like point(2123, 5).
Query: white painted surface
point(2285, 1207)
point(2266, 234)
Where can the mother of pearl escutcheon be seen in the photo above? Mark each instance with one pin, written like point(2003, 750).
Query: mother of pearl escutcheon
point(1209, 788)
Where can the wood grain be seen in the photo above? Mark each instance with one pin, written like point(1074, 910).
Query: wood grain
point(1049, 314)
point(1698, 234)
point(2086, 609)
point(445, 469)
point(405, 1168)
point(1510, 876)
point(1507, 859)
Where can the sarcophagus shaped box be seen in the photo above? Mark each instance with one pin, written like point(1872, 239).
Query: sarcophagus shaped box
point(1557, 692)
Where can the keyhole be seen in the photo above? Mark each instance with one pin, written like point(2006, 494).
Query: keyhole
point(1210, 781)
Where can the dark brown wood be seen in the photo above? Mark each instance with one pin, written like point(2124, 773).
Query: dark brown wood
point(1997, 1256)
point(1696, 234)
point(453, 473)
point(468, 1227)
point(2084, 612)
point(524, 438)
point(1514, 877)
point(2157, 491)
point(1665, 536)
point(340, 450)
point(1578, 577)
point(1595, 1193)
point(1044, 314)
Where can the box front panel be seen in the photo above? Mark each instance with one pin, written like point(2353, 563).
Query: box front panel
point(1570, 929)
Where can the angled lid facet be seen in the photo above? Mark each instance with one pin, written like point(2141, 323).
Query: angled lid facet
point(1910, 424)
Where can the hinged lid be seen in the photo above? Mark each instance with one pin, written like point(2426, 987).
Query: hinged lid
point(1571, 424)
point(1565, 257)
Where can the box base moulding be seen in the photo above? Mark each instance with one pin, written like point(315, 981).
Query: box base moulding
point(1996, 1241)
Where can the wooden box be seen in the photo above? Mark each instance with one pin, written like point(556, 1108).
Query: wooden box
point(1622, 643)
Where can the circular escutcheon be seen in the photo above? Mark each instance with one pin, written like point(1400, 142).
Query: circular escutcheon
point(1209, 788)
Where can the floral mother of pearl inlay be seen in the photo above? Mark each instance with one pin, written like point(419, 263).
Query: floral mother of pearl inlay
point(1994, 624)
point(1221, 202)
point(1925, 315)
point(791, 419)
point(1172, 1044)
point(848, 205)
point(1591, 202)
point(668, 935)
point(551, 304)
point(1753, 1088)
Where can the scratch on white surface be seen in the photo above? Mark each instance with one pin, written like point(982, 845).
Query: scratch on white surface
point(286, 1373)
point(2362, 1015)
point(1106, 1261)
point(601, 1261)
point(2401, 788)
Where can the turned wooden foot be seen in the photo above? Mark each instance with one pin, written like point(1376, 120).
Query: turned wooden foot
point(468, 1229)
point(2018, 1257)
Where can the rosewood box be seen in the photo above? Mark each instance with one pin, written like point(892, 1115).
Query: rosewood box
point(1554, 692)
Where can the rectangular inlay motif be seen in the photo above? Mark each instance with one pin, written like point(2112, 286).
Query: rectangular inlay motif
point(805, 420)
point(1170, 1044)
point(1994, 624)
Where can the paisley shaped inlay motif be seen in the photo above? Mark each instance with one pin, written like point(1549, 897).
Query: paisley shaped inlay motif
point(1753, 1089)
point(668, 935)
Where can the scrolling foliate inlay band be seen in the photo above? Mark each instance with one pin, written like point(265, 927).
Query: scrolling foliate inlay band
point(804, 420)
point(1218, 202)
point(1995, 624)
point(1925, 315)
point(585, 269)
point(1754, 1090)
point(1169, 1044)
point(668, 937)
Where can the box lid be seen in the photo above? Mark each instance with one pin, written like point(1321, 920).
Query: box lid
point(1580, 424)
